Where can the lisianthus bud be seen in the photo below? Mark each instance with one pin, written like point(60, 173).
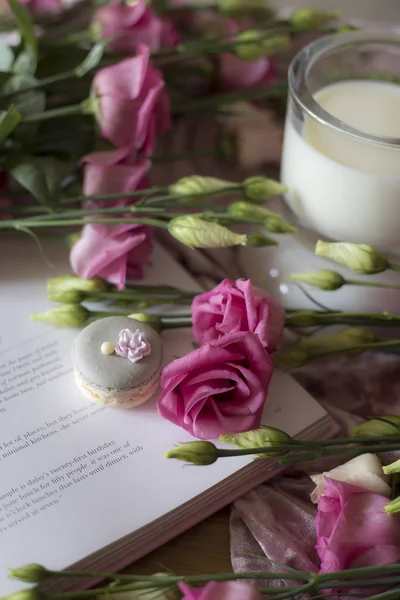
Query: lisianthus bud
point(292, 358)
point(325, 279)
point(258, 240)
point(309, 18)
point(65, 315)
point(273, 221)
point(196, 453)
point(66, 283)
point(393, 507)
point(301, 318)
point(258, 438)
point(260, 189)
point(32, 594)
point(346, 338)
point(32, 573)
point(357, 257)
point(153, 320)
point(68, 297)
point(71, 239)
point(394, 467)
point(242, 8)
point(156, 593)
point(190, 187)
point(197, 233)
point(385, 425)
point(279, 225)
point(252, 44)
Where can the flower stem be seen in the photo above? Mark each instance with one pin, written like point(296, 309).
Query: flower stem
point(253, 93)
point(70, 222)
point(40, 83)
point(372, 284)
point(394, 267)
point(62, 111)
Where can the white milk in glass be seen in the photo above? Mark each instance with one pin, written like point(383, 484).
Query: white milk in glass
point(346, 188)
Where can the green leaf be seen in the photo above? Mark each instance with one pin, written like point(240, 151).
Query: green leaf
point(92, 59)
point(6, 57)
point(27, 103)
point(22, 16)
point(8, 121)
point(41, 176)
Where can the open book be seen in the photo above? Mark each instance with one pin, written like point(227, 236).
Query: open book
point(84, 485)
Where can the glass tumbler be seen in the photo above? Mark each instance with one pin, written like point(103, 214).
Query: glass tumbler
point(341, 152)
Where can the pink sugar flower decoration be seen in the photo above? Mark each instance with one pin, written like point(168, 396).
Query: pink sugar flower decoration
point(132, 345)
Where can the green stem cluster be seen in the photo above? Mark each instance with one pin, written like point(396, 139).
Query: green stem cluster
point(299, 582)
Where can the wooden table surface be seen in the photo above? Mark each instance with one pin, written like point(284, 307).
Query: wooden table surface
point(202, 549)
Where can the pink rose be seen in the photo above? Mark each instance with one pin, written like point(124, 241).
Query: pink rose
point(237, 306)
point(134, 24)
point(353, 529)
point(220, 590)
point(219, 388)
point(132, 106)
point(115, 253)
point(112, 173)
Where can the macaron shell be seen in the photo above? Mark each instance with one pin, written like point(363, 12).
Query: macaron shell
point(112, 372)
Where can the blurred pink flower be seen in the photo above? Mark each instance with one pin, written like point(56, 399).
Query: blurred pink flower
point(234, 306)
point(219, 388)
point(236, 73)
point(114, 252)
point(220, 590)
point(353, 529)
point(134, 24)
point(132, 106)
point(112, 173)
point(36, 7)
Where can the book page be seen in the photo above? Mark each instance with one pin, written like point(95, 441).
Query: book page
point(75, 476)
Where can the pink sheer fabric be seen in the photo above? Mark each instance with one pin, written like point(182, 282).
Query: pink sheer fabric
point(276, 520)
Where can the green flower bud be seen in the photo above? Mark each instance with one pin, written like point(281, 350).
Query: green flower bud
point(292, 358)
point(393, 507)
point(68, 297)
point(197, 233)
point(241, 8)
point(325, 279)
point(71, 239)
point(258, 240)
point(196, 453)
point(32, 573)
point(386, 425)
point(357, 257)
point(32, 594)
point(394, 467)
point(65, 315)
point(346, 338)
point(260, 189)
point(252, 44)
point(301, 318)
point(279, 225)
point(309, 18)
point(258, 438)
point(68, 283)
point(194, 185)
point(153, 320)
point(273, 221)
